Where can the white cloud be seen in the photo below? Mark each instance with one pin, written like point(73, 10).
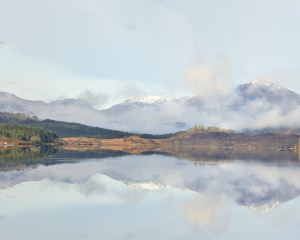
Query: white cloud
point(96, 100)
point(129, 90)
point(208, 211)
point(34, 196)
point(91, 40)
point(33, 79)
point(210, 79)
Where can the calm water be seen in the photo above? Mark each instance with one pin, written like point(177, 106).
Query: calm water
point(147, 197)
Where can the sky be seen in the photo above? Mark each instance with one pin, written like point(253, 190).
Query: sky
point(111, 50)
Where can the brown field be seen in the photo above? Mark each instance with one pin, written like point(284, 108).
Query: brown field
point(133, 144)
point(200, 145)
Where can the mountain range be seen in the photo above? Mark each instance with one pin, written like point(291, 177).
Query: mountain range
point(256, 105)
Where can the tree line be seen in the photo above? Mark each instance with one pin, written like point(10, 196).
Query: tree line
point(32, 134)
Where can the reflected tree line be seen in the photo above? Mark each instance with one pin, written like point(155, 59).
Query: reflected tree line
point(20, 157)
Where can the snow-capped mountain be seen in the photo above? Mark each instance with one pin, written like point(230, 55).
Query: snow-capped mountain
point(148, 100)
point(135, 103)
point(257, 104)
point(259, 93)
point(266, 92)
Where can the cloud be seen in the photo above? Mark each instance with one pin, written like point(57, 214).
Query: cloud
point(175, 116)
point(156, 119)
point(96, 100)
point(102, 39)
point(50, 81)
point(257, 115)
point(227, 194)
point(208, 211)
point(130, 90)
point(131, 26)
point(38, 195)
point(246, 184)
point(210, 79)
point(169, 117)
point(10, 82)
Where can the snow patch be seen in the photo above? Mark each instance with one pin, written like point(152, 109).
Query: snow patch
point(148, 100)
point(265, 83)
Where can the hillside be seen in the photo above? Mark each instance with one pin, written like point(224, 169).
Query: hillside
point(68, 129)
point(14, 134)
point(62, 129)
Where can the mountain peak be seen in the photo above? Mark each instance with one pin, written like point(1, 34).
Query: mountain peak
point(263, 82)
point(265, 93)
point(148, 100)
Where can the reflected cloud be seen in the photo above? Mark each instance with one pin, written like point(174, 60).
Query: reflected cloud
point(208, 211)
point(44, 194)
point(255, 185)
point(134, 193)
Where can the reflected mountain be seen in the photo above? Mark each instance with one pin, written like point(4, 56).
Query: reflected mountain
point(16, 157)
point(270, 198)
point(256, 184)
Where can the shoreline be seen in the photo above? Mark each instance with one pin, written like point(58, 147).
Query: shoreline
point(203, 142)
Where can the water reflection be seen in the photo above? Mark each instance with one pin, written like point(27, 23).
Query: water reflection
point(20, 158)
point(25, 153)
point(250, 184)
point(152, 196)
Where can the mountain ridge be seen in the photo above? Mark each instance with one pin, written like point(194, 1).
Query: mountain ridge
point(243, 108)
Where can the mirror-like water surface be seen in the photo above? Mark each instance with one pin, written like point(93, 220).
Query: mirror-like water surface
point(148, 197)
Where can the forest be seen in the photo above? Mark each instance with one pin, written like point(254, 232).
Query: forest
point(31, 134)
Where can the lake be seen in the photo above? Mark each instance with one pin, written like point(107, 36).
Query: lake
point(114, 195)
